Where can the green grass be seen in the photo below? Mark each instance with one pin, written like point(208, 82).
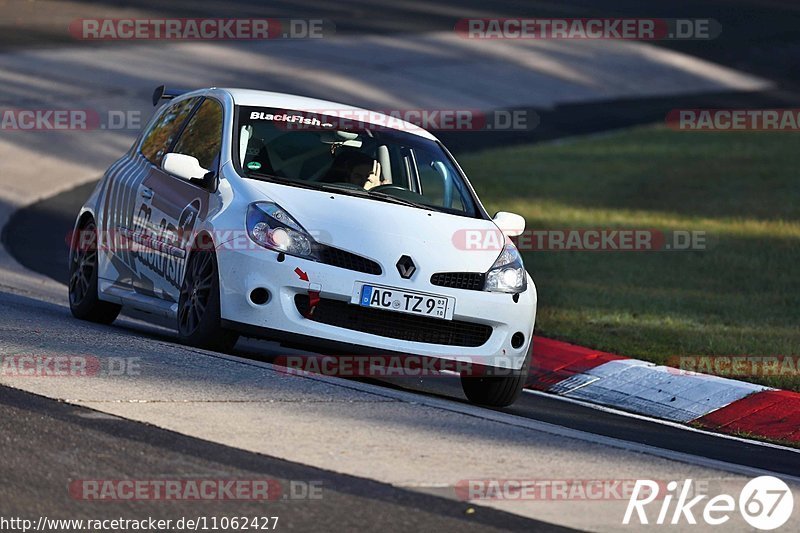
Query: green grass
point(741, 296)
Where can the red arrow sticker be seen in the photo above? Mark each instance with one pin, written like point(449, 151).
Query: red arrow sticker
point(300, 274)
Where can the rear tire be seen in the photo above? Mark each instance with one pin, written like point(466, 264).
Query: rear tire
point(83, 299)
point(496, 391)
point(199, 316)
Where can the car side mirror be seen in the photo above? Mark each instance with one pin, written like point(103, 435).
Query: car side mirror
point(184, 166)
point(510, 224)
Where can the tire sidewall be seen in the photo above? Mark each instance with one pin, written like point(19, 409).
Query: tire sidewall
point(209, 332)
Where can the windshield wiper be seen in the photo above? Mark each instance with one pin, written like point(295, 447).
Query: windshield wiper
point(280, 179)
point(353, 191)
point(381, 196)
point(399, 200)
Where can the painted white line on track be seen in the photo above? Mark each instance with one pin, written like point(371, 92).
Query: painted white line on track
point(663, 422)
point(654, 390)
point(670, 423)
point(515, 420)
point(527, 423)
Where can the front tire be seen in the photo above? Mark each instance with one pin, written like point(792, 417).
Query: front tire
point(83, 299)
point(496, 391)
point(199, 316)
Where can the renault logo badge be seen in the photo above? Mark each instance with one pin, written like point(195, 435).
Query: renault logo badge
point(406, 267)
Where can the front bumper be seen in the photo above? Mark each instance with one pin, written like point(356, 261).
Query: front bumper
point(242, 271)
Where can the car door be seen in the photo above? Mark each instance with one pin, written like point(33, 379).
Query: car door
point(122, 204)
point(171, 207)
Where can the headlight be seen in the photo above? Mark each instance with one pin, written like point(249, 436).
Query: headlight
point(507, 274)
point(272, 227)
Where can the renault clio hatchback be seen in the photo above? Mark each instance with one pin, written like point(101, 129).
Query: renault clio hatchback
point(307, 222)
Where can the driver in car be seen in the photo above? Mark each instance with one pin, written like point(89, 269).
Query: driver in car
point(366, 174)
point(354, 167)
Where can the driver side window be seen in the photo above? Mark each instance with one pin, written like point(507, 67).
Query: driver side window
point(163, 131)
point(202, 137)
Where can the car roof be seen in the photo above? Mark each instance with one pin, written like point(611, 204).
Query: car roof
point(256, 98)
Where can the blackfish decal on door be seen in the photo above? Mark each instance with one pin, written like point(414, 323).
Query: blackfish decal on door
point(162, 243)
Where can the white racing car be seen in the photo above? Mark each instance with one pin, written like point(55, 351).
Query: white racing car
point(311, 223)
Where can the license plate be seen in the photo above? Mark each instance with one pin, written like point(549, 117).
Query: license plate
point(402, 301)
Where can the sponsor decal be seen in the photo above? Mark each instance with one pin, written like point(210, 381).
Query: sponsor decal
point(161, 247)
point(293, 119)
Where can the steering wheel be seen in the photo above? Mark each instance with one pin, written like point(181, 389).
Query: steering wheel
point(388, 187)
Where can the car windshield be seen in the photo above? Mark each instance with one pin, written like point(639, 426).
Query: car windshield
point(324, 152)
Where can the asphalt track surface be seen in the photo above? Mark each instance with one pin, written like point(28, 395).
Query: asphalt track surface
point(47, 442)
point(72, 440)
point(758, 36)
point(36, 237)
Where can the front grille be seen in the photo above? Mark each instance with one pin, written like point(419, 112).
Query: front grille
point(342, 259)
point(471, 281)
point(394, 325)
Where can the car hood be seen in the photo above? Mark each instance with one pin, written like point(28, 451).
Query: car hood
point(382, 231)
